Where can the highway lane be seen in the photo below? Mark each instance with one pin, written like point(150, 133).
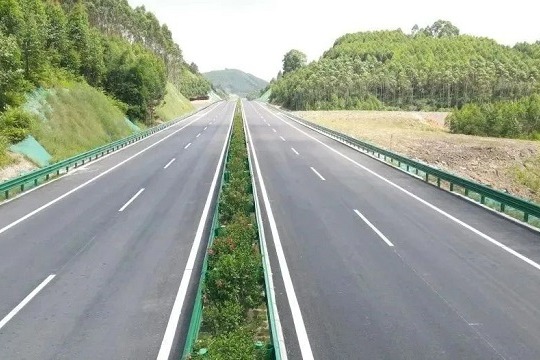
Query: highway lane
point(394, 279)
point(118, 252)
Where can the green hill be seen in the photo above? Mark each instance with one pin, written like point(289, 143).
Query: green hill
point(429, 69)
point(236, 82)
point(91, 71)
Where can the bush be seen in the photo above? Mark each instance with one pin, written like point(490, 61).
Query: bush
point(224, 317)
point(15, 124)
point(237, 345)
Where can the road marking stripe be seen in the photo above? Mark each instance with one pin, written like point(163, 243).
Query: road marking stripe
point(131, 200)
point(274, 130)
point(174, 318)
point(267, 124)
point(381, 235)
point(188, 145)
point(199, 134)
point(300, 327)
point(206, 127)
point(52, 202)
point(426, 203)
point(25, 301)
point(169, 163)
point(316, 172)
point(294, 150)
point(282, 138)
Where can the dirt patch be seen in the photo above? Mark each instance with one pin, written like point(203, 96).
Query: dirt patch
point(20, 166)
point(505, 164)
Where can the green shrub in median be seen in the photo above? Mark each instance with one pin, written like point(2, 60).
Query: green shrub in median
point(233, 293)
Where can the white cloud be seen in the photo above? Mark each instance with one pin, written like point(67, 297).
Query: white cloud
point(253, 35)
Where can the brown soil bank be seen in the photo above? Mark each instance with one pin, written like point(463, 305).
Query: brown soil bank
point(505, 164)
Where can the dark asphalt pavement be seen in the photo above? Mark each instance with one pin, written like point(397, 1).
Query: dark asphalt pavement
point(117, 273)
point(441, 291)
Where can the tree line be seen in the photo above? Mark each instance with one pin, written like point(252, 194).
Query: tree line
point(428, 69)
point(124, 51)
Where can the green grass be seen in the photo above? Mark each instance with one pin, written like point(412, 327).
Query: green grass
point(529, 176)
point(174, 104)
point(78, 118)
point(5, 159)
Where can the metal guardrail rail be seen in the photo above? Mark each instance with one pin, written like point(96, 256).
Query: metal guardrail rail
point(32, 179)
point(508, 204)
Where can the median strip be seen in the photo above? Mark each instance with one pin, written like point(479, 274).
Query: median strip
point(231, 318)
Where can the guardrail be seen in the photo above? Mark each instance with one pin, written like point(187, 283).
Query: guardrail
point(505, 203)
point(32, 179)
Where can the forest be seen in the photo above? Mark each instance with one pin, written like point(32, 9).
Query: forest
point(125, 52)
point(429, 69)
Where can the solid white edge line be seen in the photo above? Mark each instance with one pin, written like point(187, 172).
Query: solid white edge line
point(265, 255)
point(282, 138)
point(188, 145)
point(298, 321)
point(381, 235)
point(426, 203)
point(131, 200)
point(174, 318)
point(25, 301)
point(294, 150)
point(169, 163)
point(54, 201)
point(317, 173)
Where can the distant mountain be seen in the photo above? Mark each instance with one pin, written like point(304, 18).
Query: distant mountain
point(236, 81)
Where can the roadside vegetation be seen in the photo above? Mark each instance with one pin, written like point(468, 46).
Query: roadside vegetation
point(234, 324)
point(76, 118)
point(125, 52)
point(174, 104)
point(510, 119)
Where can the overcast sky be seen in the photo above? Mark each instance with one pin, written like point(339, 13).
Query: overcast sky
point(253, 35)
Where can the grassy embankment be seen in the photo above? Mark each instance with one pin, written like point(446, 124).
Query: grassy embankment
point(506, 164)
point(234, 308)
point(174, 104)
point(75, 117)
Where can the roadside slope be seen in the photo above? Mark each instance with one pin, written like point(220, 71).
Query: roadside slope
point(506, 164)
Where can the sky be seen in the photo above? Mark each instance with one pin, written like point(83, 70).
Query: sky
point(253, 35)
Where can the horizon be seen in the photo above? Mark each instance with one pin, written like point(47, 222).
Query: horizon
point(267, 39)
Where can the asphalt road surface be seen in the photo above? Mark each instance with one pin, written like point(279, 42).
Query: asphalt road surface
point(371, 263)
point(92, 264)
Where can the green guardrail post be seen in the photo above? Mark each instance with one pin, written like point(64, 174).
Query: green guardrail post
point(482, 199)
point(6, 194)
point(526, 217)
point(439, 182)
point(503, 207)
point(451, 186)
